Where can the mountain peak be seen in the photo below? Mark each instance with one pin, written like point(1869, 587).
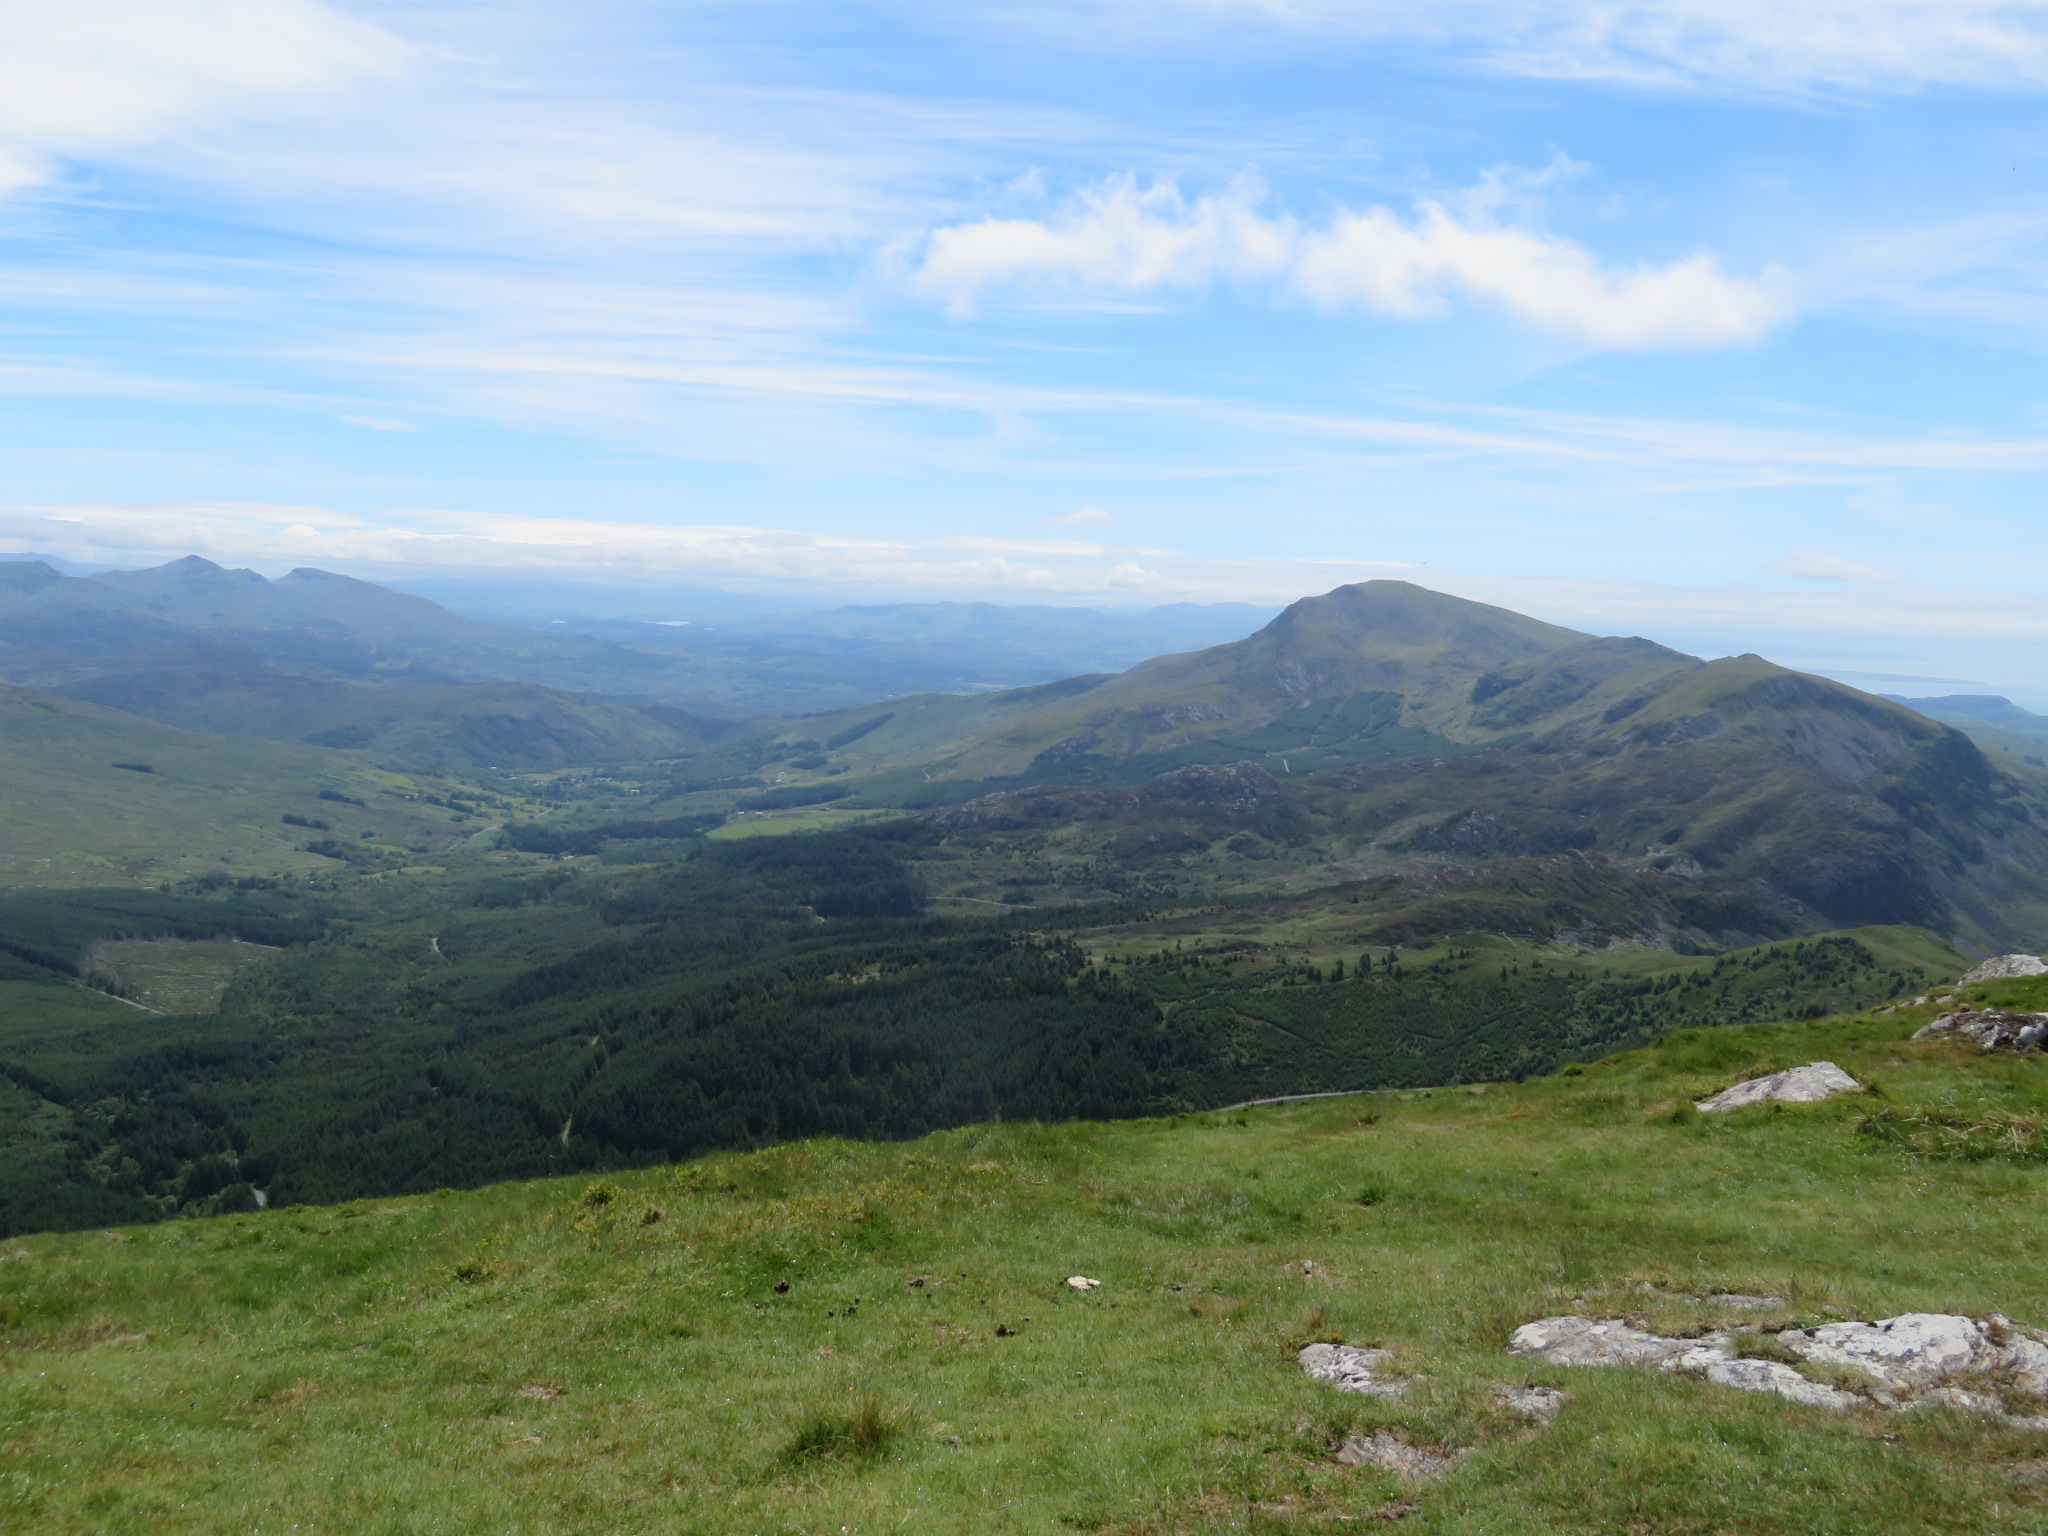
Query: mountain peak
point(186, 571)
point(28, 576)
point(1405, 616)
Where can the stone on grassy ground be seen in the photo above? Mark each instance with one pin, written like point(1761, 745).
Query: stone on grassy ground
point(1584, 1341)
point(1915, 1359)
point(1390, 1453)
point(1775, 1377)
point(1809, 1084)
point(1539, 1403)
point(1992, 1030)
point(1081, 1283)
point(1917, 1351)
point(1350, 1369)
point(2004, 968)
point(1587, 1341)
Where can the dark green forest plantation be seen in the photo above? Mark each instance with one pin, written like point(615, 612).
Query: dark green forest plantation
point(453, 1028)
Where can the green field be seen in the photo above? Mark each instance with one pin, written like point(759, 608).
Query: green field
point(615, 1355)
point(813, 818)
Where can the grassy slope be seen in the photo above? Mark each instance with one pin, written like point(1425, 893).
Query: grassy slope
point(360, 1369)
point(213, 803)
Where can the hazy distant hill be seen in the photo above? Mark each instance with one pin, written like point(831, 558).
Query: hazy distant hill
point(199, 645)
point(1994, 723)
point(431, 726)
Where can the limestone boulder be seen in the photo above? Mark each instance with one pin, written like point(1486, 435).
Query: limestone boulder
point(2005, 967)
point(1809, 1084)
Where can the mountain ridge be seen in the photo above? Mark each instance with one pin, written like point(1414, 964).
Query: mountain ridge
point(1828, 805)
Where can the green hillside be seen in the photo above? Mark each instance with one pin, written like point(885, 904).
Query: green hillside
point(1407, 655)
point(836, 1337)
point(95, 797)
point(516, 1015)
point(431, 727)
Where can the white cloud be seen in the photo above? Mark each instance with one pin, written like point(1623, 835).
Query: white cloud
point(1117, 236)
point(1121, 237)
point(1819, 565)
point(83, 76)
point(273, 538)
point(1087, 517)
point(276, 537)
point(1745, 46)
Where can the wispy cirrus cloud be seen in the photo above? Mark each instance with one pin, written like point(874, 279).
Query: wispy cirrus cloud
point(1745, 47)
point(1819, 565)
point(1119, 236)
point(81, 77)
point(482, 543)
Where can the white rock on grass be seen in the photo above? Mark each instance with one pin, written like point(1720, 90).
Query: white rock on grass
point(1918, 1351)
point(1583, 1341)
point(1390, 1453)
point(1809, 1084)
point(1587, 1341)
point(2003, 968)
point(1992, 1030)
point(1915, 1359)
point(1350, 1369)
point(1775, 1377)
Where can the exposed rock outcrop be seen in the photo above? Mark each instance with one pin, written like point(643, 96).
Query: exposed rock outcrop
point(1914, 1360)
point(1350, 1369)
point(1809, 1084)
point(1390, 1453)
point(1920, 1351)
point(2005, 967)
point(1991, 1029)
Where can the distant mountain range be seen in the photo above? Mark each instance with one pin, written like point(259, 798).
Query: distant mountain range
point(1438, 751)
point(328, 659)
point(1989, 720)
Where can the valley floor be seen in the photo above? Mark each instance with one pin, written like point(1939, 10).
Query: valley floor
point(698, 1348)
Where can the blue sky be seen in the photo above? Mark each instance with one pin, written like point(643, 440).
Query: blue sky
point(1717, 320)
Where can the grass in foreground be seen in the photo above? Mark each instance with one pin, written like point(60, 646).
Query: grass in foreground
point(828, 1337)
